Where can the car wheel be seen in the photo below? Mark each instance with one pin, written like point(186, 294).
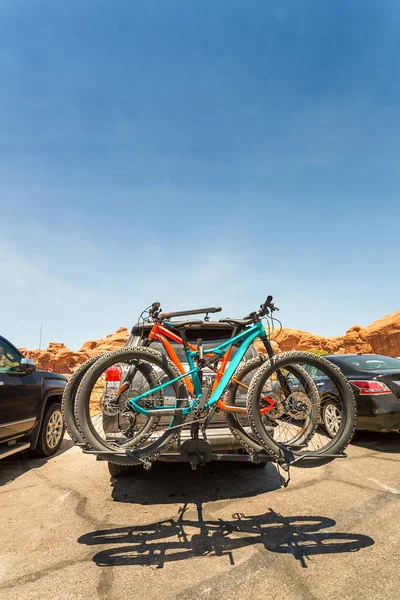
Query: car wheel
point(122, 470)
point(331, 417)
point(51, 432)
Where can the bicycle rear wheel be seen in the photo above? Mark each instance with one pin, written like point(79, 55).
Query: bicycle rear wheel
point(280, 431)
point(107, 421)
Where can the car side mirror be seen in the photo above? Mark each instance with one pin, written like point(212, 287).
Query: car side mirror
point(27, 365)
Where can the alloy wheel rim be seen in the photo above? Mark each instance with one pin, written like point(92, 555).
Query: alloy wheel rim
point(54, 429)
point(333, 418)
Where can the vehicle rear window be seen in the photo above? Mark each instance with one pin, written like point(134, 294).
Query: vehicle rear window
point(372, 363)
point(206, 343)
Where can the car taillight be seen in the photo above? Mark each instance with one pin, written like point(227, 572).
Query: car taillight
point(113, 374)
point(371, 387)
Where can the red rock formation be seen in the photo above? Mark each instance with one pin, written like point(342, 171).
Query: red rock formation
point(382, 337)
point(57, 357)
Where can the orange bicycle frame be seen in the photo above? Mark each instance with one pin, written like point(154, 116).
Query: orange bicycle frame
point(161, 334)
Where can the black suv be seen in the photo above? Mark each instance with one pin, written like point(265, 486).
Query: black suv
point(30, 405)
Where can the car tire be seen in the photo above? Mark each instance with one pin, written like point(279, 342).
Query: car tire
point(117, 471)
point(51, 431)
point(331, 416)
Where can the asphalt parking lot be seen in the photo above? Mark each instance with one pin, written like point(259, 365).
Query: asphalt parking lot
point(68, 531)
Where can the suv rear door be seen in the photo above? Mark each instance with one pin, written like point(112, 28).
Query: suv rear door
point(19, 394)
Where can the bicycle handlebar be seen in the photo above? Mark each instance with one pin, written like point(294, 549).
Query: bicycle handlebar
point(268, 305)
point(155, 309)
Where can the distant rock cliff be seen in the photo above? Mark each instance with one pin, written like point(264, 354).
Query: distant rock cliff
point(382, 337)
point(57, 357)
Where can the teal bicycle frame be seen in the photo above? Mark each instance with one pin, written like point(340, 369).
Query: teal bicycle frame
point(247, 337)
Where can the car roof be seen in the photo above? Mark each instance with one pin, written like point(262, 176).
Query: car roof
point(208, 329)
point(328, 356)
point(10, 344)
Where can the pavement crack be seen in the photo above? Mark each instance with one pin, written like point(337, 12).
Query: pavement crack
point(35, 576)
point(81, 499)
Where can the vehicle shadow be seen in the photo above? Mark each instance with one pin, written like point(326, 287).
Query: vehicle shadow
point(176, 482)
point(381, 442)
point(183, 538)
point(16, 465)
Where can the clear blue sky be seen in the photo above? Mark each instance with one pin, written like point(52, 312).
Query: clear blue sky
point(197, 153)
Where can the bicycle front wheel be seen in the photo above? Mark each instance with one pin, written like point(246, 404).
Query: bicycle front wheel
point(236, 397)
point(281, 431)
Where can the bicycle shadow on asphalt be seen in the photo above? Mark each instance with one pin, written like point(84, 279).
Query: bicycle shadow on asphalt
point(181, 538)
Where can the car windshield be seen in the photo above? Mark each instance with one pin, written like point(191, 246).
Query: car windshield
point(372, 363)
point(206, 344)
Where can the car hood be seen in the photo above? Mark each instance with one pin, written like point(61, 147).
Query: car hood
point(51, 375)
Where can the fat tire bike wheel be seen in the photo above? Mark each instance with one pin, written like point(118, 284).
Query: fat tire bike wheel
point(236, 396)
point(321, 449)
point(146, 446)
point(68, 400)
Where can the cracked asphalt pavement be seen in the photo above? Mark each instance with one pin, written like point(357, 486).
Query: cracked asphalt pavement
point(225, 531)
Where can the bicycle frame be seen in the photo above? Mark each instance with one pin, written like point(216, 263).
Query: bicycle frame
point(246, 337)
point(160, 333)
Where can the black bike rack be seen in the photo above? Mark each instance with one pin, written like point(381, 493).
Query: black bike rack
point(195, 456)
point(321, 457)
point(199, 452)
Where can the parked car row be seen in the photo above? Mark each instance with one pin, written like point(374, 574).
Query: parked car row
point(30, 399)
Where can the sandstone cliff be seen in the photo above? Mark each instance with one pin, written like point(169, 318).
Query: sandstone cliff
point(57, 357)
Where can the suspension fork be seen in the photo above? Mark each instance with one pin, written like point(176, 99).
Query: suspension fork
point(133, 369)
point(280, 375)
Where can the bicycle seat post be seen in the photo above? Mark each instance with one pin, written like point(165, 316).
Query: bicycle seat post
point(200, 350)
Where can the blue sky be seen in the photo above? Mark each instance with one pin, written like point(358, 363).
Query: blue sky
point(197, 153)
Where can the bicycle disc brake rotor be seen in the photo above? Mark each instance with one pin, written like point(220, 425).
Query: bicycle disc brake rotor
point(109, 403)
point(297, 405)
point(116, 405)
point(278, 410)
